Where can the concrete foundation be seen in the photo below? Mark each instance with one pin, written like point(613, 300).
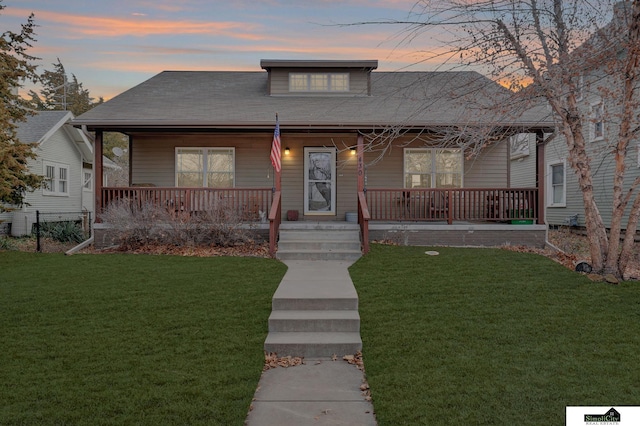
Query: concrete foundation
point(477, 235)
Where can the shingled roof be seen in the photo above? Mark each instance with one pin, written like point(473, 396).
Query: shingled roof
point(37, 126)
point(240, 100)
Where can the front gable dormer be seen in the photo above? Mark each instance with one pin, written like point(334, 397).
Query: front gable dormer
point(319, 77)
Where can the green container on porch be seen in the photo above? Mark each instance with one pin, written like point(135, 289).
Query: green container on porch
point(524, 213)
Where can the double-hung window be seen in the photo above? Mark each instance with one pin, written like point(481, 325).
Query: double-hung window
point(433, 168)
point(557, 184)
point(56, 179)
point(205, 167)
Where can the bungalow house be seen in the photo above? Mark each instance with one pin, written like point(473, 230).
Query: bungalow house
point(391, 149)
point(64, 158)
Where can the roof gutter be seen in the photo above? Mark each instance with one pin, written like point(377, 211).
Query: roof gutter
point(263, 126)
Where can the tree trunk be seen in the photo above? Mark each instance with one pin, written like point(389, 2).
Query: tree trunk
point(579, 161)
point(629, 237)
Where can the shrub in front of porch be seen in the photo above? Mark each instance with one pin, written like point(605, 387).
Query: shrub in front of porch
point(134, 226)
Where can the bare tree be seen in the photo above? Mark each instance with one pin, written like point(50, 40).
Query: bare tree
point(552, 50)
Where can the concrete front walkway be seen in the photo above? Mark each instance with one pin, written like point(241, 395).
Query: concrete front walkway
point(321, 391)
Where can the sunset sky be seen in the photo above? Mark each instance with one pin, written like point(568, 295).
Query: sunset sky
point(114, 45)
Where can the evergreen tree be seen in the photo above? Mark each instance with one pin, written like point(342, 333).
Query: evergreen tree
point(15, 68)
point(61, 93)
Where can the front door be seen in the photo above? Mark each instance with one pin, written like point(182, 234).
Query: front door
point(319, 181)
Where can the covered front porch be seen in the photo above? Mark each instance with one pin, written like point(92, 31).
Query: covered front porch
point(460, 216)
point(487, 215)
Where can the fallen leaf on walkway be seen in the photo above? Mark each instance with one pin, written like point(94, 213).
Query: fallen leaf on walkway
point(271, 360)
point(355, 360)
point(334, 357)
point(359, 363)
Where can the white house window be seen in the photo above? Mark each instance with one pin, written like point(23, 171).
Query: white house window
point(432, 168)
point(318, 82)
point(557, 185)
point(56, 179)
point(597, 121)
point(205, 167)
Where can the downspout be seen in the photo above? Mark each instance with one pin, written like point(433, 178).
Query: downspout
point(80, 246)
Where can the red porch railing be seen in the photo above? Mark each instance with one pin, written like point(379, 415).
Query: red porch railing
point(363, 220)
point(455, 204)
point(248, 202)
point(275, 217)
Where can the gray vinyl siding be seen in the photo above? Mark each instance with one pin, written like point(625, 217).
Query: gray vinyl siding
point(523, 169)
point(279, 81)
point(489, 168)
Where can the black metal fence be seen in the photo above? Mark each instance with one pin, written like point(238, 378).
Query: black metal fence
point(66, 228)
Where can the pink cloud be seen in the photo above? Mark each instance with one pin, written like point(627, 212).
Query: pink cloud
point(138, 26)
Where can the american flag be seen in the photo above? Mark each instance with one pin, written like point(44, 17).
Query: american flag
point(275, 148)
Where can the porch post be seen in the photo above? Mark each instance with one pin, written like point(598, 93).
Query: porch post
point(360, 152)
point(540, 173)
point(97, 175)
point(130, 159)
point(278, 182)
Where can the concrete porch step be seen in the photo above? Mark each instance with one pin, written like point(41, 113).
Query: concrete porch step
point(314, 344)
point(314, 304)
point(306, 254)
point(324, 245)
point(319, 226)
point(319, 235)
point(319, 321)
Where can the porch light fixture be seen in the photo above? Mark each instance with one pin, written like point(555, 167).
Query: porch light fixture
point(353, 151)
point(286, 151)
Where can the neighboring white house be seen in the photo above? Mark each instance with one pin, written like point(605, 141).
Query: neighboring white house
point(64, 158)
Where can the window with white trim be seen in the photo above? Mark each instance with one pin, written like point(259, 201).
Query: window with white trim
point(557, 185)
point(56, 179)
point(318, 82)
point(432, 168)
point(597, 121)
point(205, 167)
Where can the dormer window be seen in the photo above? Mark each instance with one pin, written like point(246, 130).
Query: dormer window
point(318, 82)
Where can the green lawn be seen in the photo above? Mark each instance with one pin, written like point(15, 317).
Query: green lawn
point(131, 339)
point(484, 336)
